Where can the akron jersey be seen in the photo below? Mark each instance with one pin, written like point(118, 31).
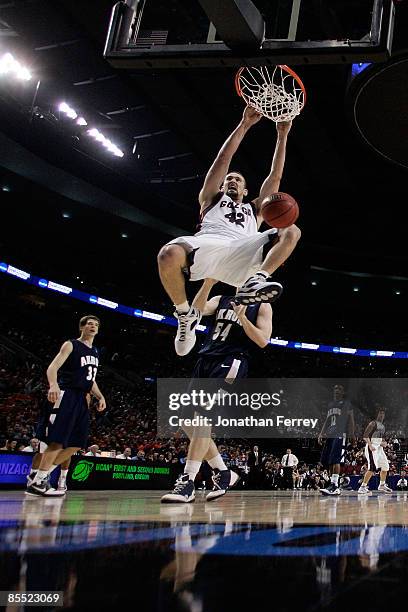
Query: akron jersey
point(226, 336)
point(229, 219)
point(79, 370)
point(338, 413)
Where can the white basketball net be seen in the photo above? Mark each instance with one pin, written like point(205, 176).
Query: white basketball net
point(272, 91)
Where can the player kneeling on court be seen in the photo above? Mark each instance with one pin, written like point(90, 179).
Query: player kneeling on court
point(375, 455)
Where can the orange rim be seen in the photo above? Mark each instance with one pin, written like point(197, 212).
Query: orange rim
point(285, 68)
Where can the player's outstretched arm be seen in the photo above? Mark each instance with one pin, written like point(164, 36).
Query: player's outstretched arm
point(262, 331)
point(272, 182)
point(52, 370)
point(205, 306)
point(220, 166)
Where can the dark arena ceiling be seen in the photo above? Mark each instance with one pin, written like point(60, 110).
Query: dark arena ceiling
point(170, 124)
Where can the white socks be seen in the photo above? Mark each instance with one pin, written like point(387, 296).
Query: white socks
point(217, 463)
point(63, 477)
point(335, 479)
point(42, 474)
point(192, 468)
point(182, 308)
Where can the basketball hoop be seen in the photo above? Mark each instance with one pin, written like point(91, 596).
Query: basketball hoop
point(276, 91)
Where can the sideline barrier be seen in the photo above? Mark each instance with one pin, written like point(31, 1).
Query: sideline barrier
point(96, 473)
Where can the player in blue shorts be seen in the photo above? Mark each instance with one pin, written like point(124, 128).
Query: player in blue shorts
point(234, 331)
point(71, 377)
point(339, 422)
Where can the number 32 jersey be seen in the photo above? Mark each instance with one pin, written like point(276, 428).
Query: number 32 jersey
point(229, 219)
point(226, 336)
point(80, 369)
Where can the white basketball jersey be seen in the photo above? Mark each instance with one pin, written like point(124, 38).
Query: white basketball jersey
point(224, 217)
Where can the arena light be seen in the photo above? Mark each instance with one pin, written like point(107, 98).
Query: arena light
point(71, 113)
point(108, 144)
point(168, 320)
point(10, 66)
point(67, 110)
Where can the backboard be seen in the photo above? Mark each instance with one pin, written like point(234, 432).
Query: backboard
point(145, 34)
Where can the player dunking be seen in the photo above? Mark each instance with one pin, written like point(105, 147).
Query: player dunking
point(228, 246)
point(71, 376)
point(234, 330)
point(375, 455)
point(339, 422)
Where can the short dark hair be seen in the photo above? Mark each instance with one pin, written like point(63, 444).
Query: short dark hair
point(237, 172)
point(84, 320)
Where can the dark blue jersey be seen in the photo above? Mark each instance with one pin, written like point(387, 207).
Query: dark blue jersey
point(338, 414)
point(79, 370)
point(226, 336)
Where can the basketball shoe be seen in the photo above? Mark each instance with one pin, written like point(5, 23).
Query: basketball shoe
point(43, 489)
point(384, 488)
point(183, 491)
point(364, 490)
point(258, 289)
point(332, 489)
point(223, 480)
point(186, 337)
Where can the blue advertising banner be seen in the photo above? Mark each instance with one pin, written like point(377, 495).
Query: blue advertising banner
point(14, 468)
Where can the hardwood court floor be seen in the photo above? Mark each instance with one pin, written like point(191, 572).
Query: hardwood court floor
point(287, 507)
point(281, 551)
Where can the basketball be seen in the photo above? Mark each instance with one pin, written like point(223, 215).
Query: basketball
point(280, 210)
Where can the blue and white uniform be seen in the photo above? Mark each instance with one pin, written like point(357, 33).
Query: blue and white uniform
point(66, 422)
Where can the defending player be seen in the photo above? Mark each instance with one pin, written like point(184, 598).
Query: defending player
point(228, 246)
point(234, 330)
point(339, 422)
point(375, 455)
point(71, 376)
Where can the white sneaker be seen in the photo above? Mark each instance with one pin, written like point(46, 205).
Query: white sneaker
point(258, 289)
point(364, 490)
point(385, 488)
point(186, 337)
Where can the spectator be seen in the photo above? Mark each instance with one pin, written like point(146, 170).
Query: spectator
point(93, 451)
point(127, 454)
point(140, 456)
point(32, 447)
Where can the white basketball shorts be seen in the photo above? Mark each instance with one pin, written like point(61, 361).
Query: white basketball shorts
point(231, 261)
point(377, 459)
